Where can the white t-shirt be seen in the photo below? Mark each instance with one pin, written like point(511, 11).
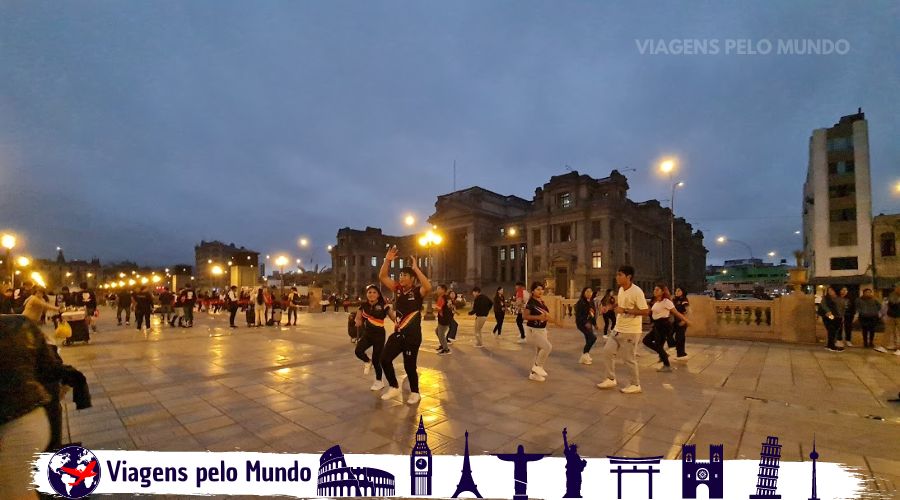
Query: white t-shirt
point(661, 308)
point(633, 298)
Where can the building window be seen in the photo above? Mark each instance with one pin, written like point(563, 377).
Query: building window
point(564, 200)
point(841, 168)
point(597, 229)
point(840, 144)
point(596, 260)
point(536, 263)
point(888, 245)
point(502, 231)
point(512, 253)
point(374, 261)
point(400, 264)
point(392, 263)
point(846, 239)
point(536, 236)
point(566, 233)
point(844, 264)
point(843, 214)
point(502, 254)
point(841, 191)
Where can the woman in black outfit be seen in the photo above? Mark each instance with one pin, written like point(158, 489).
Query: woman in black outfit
point(585, 319)
point(372, 313)
point(832, 320)
point(454, 326)
point(609, 317)
point(499, 311)
point(681, 305)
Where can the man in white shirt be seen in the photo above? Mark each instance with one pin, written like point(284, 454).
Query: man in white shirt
point(631, 307)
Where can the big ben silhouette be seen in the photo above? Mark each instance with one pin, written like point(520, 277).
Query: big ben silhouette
point(420, 464)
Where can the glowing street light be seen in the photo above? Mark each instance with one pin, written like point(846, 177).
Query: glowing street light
point(723, 240)
point(409, 220)
point(282, 261)
point(772, 254)
point(131, 282)
point(144, 281)
point(37, 278)
point(330, 247)
point(428, 240)
point(156, 279)
point(8, 241)
point(23, 261)
point(667, 166)
point(303, 242)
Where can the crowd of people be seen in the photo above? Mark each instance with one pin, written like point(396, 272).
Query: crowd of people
point(838, 310)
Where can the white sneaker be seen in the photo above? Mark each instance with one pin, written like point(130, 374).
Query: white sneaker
point(897, 352)
point(632, 389)
point(585, 359)
point(377, 386)
point(607, 384)
point(537, 378)
point(521, 340)
point(681, 358)
point(848, 344)
point(367, 367)
point(391, 393)
point(881, 349)
point(479, 345)
point(539, 370)
point(839, 343)
point(413, 398)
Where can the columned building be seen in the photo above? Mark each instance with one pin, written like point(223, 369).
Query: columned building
point(574, 232)
point(210, 254)
point(358, 255)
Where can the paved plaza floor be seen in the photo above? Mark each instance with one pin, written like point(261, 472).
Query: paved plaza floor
point(300, 389)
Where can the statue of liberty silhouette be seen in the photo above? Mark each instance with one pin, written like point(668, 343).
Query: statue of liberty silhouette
point(574, 467)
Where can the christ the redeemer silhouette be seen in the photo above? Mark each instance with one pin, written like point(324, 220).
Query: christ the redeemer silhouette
point(520, 472)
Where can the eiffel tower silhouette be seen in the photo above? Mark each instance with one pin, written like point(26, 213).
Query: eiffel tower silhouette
point(466, 483)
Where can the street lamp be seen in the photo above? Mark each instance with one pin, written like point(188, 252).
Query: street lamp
point(409, 220)
point(668, 167)
point(281, 261)
point(9, 241)
point(430, 240)
point(723, 240)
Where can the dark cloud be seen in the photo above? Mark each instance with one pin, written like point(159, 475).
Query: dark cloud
point(134, 130)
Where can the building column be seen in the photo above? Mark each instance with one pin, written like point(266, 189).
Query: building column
point(471, 266)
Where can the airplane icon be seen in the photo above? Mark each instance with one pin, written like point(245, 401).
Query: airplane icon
point(81, 474)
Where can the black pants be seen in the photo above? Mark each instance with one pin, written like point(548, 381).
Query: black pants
point(232, 312)
point(589, 337)
point(848, 327)
point(119, 310)
point(375, 340)
point(142, 317)
point(680, 331)
point(833, 327)
point(868, 330)
point(454, 326)
point(498, 328)
point(520, 322)
point(292, 312)
point(609, 322)
point(656, 338)
point(407, 343)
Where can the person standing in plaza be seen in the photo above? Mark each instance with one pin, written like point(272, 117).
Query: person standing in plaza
point(631, 307)
point(87, 299)
point(231, 304)
point(123, 304)
point(537, 315)
point(293, 305)
point(849, 314)
point(831, 310)
point(454, 325)
point(188, 300)
point(891, 322)
point(35, 306)
point(681, 305)
point(585, 316)
point(258, 302)
point(608, 304)
point(20, 294)
point(143, 308)
point(408, 298)
point(371, 314)
point(442, 311)
point(499, 311)
point(166, 303)
point(481, 306)
point(520, 301)
point(868, 308)
point(62, 300)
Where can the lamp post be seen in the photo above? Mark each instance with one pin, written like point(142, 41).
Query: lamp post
point(9, 241)
point(281, 261)
point(216, 271)
point(668, 167)
point(430, 240)
point(723, 240)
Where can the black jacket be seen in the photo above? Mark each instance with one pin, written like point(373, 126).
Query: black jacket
point(481, 306)
point(27, 366)
point(583, 313)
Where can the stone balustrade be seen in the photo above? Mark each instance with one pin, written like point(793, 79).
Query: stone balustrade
point(791, 318)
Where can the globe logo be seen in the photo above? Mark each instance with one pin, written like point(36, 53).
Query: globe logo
point(74, 472)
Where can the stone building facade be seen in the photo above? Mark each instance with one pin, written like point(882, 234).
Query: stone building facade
point(240, 266)
point(576, 231)
point(886, 231)
point(359, 253)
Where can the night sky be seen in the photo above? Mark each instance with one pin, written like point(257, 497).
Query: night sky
point(132, 130)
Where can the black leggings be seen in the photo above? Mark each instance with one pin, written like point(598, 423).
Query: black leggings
point(589, 338)
point(407, 343)
point(454, 326)
point(680, 331)
point(142, 317)
point(520, 322)
point(232, 312)
point(498, 329)
point(848, 327)
point(374, 339)
point(868, 329)
point(656, 338)
point(609, 321)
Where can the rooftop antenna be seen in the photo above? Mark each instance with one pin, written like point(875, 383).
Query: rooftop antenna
point(454, 175)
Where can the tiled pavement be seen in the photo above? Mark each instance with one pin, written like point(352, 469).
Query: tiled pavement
point(300, 389)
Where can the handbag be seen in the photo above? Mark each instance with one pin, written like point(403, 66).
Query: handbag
point(63, 330)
